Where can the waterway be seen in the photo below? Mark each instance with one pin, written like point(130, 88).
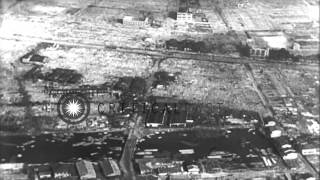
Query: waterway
point(240, 142)
point(60, 147)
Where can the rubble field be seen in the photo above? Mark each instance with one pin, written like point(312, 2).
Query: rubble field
point(197, 81)
point(191, 80)
point(294, 96)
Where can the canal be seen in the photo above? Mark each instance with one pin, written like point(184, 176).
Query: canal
point(60, 147)
point(244, 145)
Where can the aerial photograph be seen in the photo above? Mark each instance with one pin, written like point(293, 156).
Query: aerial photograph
point(159, 90)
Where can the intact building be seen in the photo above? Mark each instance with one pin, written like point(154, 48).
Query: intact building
point(285, 148)
point(85, 170)
point(109, 168)
point(177, 119)
point(155, 118)
point(64, 170)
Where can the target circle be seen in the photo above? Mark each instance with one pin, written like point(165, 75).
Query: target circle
point(73, 108)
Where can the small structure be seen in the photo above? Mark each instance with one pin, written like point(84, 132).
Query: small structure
point(290, 154)
point(11, 166)
point(184, 17)
point(243, 4)
point(64, 170)
point(171, 169)
point(274, 131)
point(85, 170)
point(259, 52)
point(159, 166)
point(34, 59)
point(313, 126)
point(42, 171)
point(306, 46)
point(130, 20)
point(310, 149)
point(44, 174)
point(193, 169)
point(296, 46)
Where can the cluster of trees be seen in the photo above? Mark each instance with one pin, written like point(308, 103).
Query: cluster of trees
point(163, 78)
point(216, 43)
point(230, 43)
point(187, 44)
point(223, 43)
point(283, 54)
point(244, 50)
point(131, 85)
point(280, 54)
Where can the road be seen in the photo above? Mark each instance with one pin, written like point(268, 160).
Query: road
point(286, 91)
point(128, 152)
point(255, 85)
point(309, 166)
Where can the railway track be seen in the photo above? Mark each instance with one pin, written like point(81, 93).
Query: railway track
point(172, 54)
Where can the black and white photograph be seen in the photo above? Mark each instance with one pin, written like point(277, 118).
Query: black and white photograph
point(159, 90)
